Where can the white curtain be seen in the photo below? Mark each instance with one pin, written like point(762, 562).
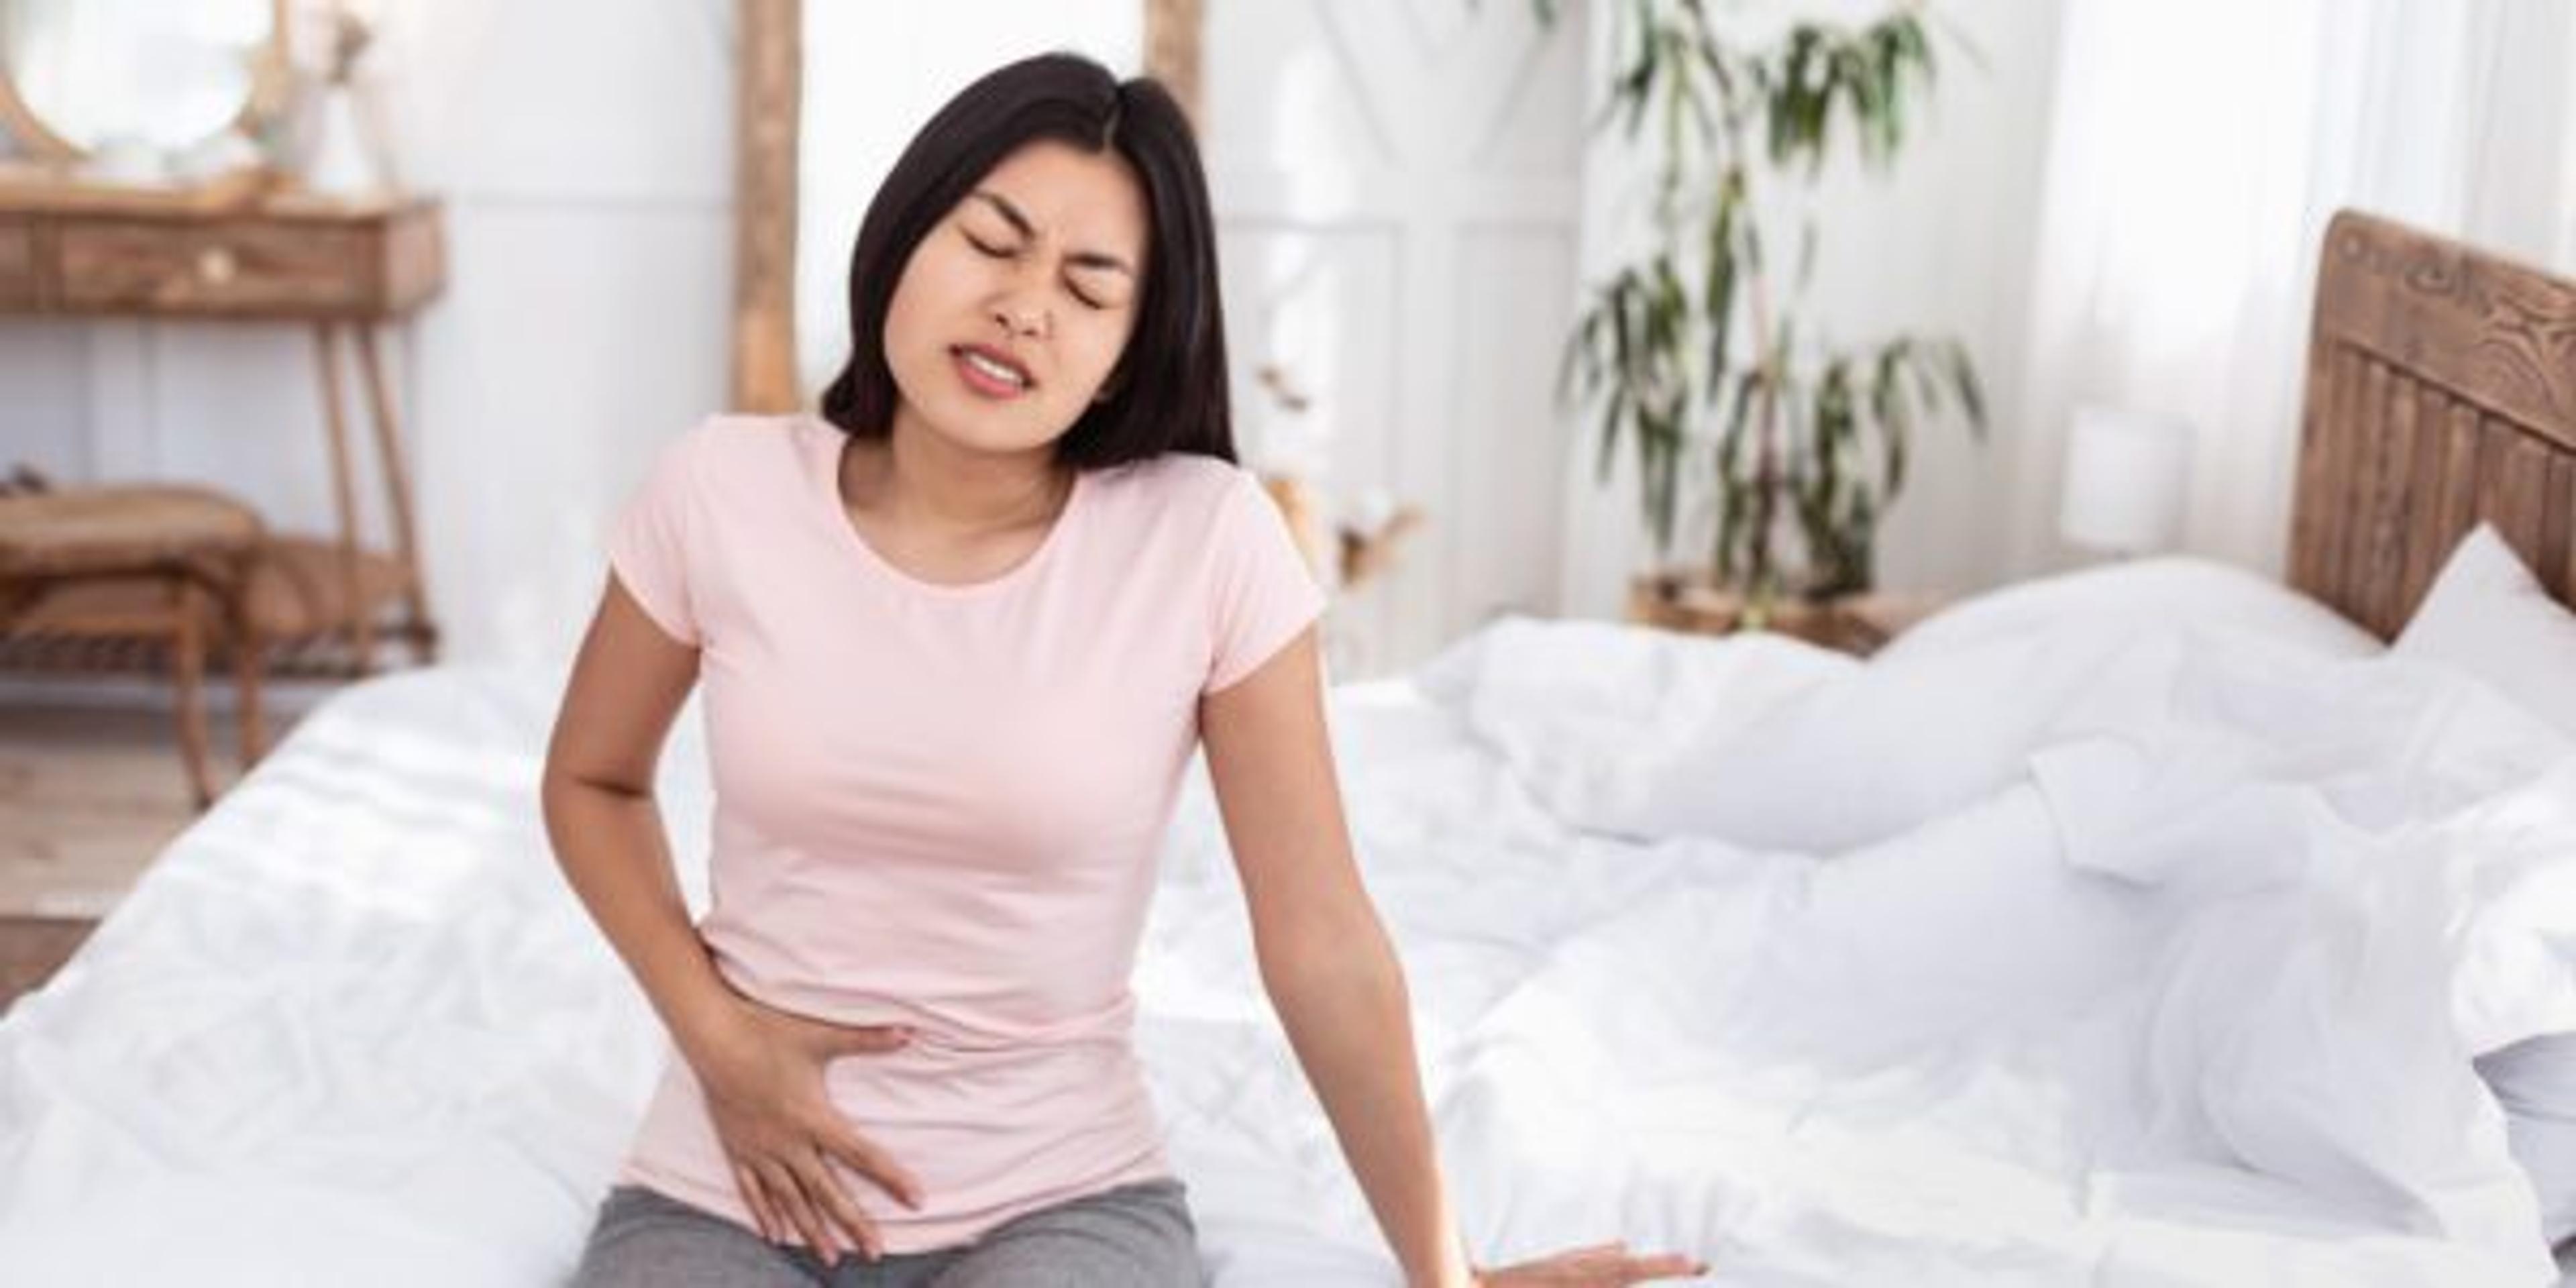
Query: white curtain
point(2198, 148)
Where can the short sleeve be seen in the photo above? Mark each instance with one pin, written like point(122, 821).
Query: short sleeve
point(1263, 593)
point(648, 542)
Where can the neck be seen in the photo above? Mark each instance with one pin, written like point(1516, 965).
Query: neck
point(917, 476)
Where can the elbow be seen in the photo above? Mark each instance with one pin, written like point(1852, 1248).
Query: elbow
point(560, 781)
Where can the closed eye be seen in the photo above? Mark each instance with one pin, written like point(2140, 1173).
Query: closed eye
point(1001, 252)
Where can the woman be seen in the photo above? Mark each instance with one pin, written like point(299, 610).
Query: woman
point(960, 635)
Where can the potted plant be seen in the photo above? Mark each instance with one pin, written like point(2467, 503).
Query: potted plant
point(1695, 352)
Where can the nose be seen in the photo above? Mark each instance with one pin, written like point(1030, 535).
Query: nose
point(1021, 319)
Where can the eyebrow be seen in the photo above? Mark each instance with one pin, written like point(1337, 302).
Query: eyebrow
point(1020, 222)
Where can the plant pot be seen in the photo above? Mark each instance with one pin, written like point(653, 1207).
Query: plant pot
point(1853, 623)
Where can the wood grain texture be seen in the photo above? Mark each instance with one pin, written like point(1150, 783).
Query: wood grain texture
point(1174, 45)
point(371, 261)
point(33, 948)
point(2558, 531)
point(769, 79)
point(2441, 392)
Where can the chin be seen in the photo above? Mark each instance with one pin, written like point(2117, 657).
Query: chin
point(981, 429)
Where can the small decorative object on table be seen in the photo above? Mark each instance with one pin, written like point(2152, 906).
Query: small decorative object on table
point(346, 156)
point(1371, 536)
point(1346, 549)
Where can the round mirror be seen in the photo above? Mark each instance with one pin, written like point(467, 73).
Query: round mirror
point(79, 75)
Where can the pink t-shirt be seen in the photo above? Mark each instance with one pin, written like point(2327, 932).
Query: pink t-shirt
point(942, 805)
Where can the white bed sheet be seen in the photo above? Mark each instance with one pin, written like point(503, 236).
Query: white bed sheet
point(2104, 1024)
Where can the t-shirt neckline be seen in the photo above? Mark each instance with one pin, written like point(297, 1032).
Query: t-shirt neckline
point(836, 442)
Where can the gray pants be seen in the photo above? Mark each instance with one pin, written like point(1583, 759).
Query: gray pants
point(1130, 1236)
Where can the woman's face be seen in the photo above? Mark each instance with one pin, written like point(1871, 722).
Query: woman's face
point(1015, 307)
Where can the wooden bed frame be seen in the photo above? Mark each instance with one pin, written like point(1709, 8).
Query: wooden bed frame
point(2441, 391)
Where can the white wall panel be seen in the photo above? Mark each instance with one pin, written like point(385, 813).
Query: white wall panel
point(1395, 189)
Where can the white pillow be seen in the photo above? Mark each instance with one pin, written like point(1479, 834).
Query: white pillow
point(2535, 1081)
point(2166, 590)
point(2488, 616)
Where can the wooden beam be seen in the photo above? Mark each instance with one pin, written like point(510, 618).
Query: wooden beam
point(768, 73)
point(1173, 45)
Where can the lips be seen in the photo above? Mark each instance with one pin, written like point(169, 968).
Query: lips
point(993, 365)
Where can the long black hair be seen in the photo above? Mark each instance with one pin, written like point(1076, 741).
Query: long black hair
point(1168, 390)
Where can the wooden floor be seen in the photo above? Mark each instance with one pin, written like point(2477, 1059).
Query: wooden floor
point(31, 948)
point(88, 795)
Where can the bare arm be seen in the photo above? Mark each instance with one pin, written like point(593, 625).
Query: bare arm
point(627, 685)
point(1336, 983)
point(761, 1068)
point(1325, 960)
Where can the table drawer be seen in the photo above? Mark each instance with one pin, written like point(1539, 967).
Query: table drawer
point(18, 288)
point(218, 267)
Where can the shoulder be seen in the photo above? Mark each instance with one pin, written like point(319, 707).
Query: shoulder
point(731, 453)
point(1179, 485)
point(733, 436)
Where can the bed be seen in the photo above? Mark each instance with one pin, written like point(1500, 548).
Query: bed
point(2120, 929)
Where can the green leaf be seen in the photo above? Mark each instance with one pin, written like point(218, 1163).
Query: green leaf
point(1895, 416)
point(1717, 298)
point(1972, 398)
point(1574, 361)
point(1612, 415)
point(1927, 385)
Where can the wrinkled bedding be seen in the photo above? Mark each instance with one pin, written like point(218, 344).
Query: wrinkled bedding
point(2122, 958)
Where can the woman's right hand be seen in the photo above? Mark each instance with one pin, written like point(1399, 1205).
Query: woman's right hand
point(763, 1076)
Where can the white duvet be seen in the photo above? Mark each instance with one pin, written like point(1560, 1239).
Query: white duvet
point(2149, 957)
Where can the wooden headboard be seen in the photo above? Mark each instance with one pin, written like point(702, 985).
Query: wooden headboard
point(2441, 391)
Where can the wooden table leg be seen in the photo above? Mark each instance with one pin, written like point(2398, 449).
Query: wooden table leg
point(424, 638)
point(361, 622)
point(249, 658)
point(188, 661)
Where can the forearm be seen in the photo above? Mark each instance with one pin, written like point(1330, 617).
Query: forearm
point(1344, 1005)
point(617, 858)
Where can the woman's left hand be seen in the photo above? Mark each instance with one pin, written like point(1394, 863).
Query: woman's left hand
point(1603, 1265)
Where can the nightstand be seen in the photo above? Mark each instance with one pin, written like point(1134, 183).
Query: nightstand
point(341, 268)
point(1856, 624)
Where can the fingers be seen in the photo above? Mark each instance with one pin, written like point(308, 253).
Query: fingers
point(1609, 1265)
point(829, 1039)
point(877, 1038)
point(834, 1199)
point(784, 1208)
point(1664, 1265)
point(787, 1192)
point(861, 1156)
point(754, 1198)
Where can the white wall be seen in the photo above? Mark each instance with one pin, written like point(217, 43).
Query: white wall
point(1396, 193)
point(584, 150)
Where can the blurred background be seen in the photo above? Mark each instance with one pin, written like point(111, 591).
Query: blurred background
point(345, 326)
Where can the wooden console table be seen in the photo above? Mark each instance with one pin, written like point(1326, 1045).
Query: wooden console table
point(338, 267)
